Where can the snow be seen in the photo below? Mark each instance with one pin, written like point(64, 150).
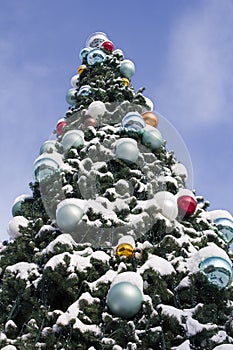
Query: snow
point(184, 346)
point(10, 324)
point(9, 347)
point(45, 228)
point(129, 276)
point(157, 264)
point(106, 278)
point(99, 255)
point(22, 198)
point(23, 270)
point(65, 239)
point(215, 214)
point(184, 283)
point(224, 347)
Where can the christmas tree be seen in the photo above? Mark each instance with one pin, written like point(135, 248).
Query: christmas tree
point(111, 250)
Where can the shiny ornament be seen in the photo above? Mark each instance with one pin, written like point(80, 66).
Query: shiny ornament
point(14, 226)
point(84, 52)
point(74, 81)
point(90, 122)
point(60, 125)
point(127, 68)
point(96, 39)
point(69, 213)
point(17, 205)
point(96, 109)
point(82, 69)
point(152, 138)
point(186, 205)
point(167, 203)
point(150, 119)
point(225, 228)
point(124, 299)
point(127, 150)
point(72, 138)
point(71, 96)
point(108, 46)
point(119, 53)
point(133, 121)
point(85, 90)
point(45, 166)
point(217, 270)
point(126, 82)
point(180, 170)
point(48, 147)
point(125, 249)
point(96, 56)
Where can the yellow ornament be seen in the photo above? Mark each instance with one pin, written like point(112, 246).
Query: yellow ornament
point(125, 249)
point(150, 119)
point(126, 81)
point(81, 69)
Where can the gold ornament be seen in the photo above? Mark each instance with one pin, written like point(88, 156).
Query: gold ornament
point(125, 249)
point(81, 69)
point(150, 119)
point(126, 81)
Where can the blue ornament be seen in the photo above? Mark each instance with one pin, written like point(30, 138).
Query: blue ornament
point(68, 214)
point(127, 150)
point(44, 167)
point(84, 52)
point(124, 299)
point(96, 56)
point(17, 206)
point(48, 147)
point(217, 270)
point(72, 138)
point(71, 96)
point(152, 138)
point(85, 90)
point(133, 121)
point(225, 228)
point(127, 68)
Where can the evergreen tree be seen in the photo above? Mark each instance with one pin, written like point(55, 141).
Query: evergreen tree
point(111, 251)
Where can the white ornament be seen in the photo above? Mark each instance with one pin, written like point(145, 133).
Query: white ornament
point(167, 203)
point(74, 80)
point(14, 224)
point(96, 109)
point(180, 170)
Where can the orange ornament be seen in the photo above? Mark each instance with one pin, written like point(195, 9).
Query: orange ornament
point(90, 122)
point(81, 69)
point(125, 249)
point(150, 118)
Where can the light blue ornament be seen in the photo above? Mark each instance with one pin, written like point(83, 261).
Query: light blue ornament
point(225, 228)
point(127, 150)
point(71, 96)
point(68, 215)
point(48, 147)
point(96, 56)
point(44, 167)
point(152, 138)
point(127, 68)
point(72, 138)
point(133, 121)
point(217, 270)
point(124, 299)
point(85, 90)
point(84, 52)
point(17, 206)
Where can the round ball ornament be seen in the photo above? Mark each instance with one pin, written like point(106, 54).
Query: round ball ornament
point(96, 39)
point(225, 228)
point(119, 53)
point(90, 122)
point(44, 167)
point(167, 203)
point(68, 214)
point(127, 68)
point(152, 138)
point(14, 226)
point(96, 109)
point(125, 249)
point(127, 150)
point(96, 56)
point(108, 46)
point(85, 90)
point(60, 125)
point(48, 147)
point(217, 270)
point(126, 82)
point(180, 170)
point(17, 205)
point(150, 119)
point(72, 138)
point(124, 299)
point(74, 81)
point(186, 205)
point(84, 52)
point(81, 69)
point(71, 96)
point(133, 121)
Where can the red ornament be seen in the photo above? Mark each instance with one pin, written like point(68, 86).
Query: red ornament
point(108, 45)
point(186, 205)
point(60, 125)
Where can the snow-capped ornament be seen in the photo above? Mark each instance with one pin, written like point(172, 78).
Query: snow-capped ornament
point(84, 52)
point(69, 213)
point(152, 138)
point(133, 121)
point(127, 69)
point(72, 138)
point(126, 81)
point(96, 56)
point(217, 270)
point(167, 203)
point(71, 95)
point(127, 149)
point(108, 46)
point(45, 166)
point(81, 69)
point(60, 125)
point(96, 109)
point(119, 53)
point(17, 205)
point(186, 205)
point(84, 90)
point(225, 228)
point(96, 39)
point(14, 226)
point(74, 81)
point(125, 246)
point(180, 170)
point(150, 119)
point(48, 147)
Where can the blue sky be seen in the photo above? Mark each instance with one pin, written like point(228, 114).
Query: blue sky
point(183, 53)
